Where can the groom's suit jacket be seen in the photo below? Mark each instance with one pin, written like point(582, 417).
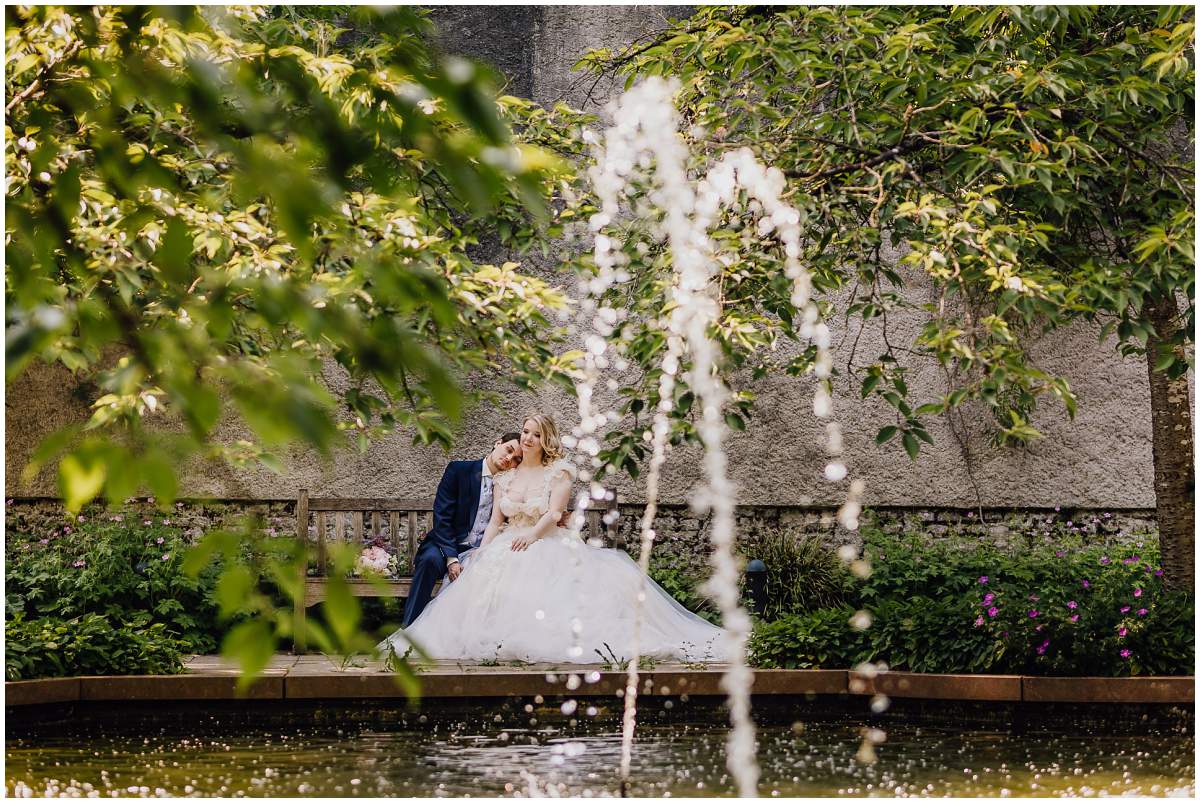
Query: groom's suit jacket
point(455, 506)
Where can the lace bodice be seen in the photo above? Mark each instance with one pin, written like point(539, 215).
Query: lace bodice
point(526, 512)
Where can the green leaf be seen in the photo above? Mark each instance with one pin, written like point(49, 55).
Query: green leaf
point(886, 434)
point(911, 445)
point(251, 644)
point(80, 479)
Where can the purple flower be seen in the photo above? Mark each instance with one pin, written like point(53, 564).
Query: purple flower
point(166, 556)
point(1158, 572)
point(1122, 631)
point(1041, 650)
point(1072, 604)
point(1070, 523)
point(1137, 592)
point(1086, 584)
point(44, 541)
point(1038, 629)
point(970, 514)
point(1057, 508)
point(1058, 553)
point(983, 580)
point(1074, 617)
point(1104, 561)
point(992, 611)
point(1126, 609)
point(1126, 653)
point(66, 529)
point(79, 564)
point(987, 598)
point(1033, 614)
point(1142, 611)
point(1034, 597)
point(978, 621)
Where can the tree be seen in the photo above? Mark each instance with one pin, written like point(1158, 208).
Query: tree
point(206, 206)
point(1022, 158)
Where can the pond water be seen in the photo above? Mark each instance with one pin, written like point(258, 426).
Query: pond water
point(492, 749)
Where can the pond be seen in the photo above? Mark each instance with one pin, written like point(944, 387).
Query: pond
point(532, 748)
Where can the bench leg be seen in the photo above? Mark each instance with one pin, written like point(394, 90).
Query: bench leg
point(300, 618)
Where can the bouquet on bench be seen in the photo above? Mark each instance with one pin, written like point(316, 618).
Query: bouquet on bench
point(376, 561)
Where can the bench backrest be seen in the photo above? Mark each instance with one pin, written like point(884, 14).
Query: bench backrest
point(401, 521)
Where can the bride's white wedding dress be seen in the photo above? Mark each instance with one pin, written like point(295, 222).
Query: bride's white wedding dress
point(560, 601)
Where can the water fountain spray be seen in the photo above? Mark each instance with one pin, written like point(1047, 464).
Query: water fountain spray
point(644, 132)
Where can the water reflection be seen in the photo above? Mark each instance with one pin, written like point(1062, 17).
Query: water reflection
point(358, 751)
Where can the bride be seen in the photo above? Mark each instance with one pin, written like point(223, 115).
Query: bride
point(535, 591)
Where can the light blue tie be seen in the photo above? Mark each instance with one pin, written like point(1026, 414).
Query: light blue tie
point(483, 515)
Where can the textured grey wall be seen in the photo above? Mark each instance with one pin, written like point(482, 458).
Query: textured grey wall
point(1100, 460)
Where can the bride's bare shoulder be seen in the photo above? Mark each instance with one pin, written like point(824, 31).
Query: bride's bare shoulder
point(560, 468)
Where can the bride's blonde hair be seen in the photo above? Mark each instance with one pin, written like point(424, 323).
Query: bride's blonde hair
point(552, 448)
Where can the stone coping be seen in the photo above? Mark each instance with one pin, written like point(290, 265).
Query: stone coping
point(317, 677)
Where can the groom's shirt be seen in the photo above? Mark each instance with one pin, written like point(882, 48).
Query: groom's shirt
point(484, 512)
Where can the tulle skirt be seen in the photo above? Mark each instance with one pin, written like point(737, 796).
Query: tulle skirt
point(558, 601)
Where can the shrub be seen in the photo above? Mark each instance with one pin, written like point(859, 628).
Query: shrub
point(684, 587)
point(1064, 609)
point(86, 645)
point(822, 638)
point(803, 573)
point(126, 570)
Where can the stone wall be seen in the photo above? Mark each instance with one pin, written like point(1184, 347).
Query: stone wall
point(1101, 460)
point(682, 535)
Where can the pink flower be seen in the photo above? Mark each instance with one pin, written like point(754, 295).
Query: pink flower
point(1072, 604)
point(178, 505)
point(1126, 653)
point(1142, 611)
point(1137, 592)
point(1086, 584)
point(1122, 632)
point(1126, 609)
point(1034, 597)
point(992, 611)
point(146, 522)
point(1058, 553)
point(983, 580)
point(166, 521)
point(158, 540)
point(166, 556)
point(79, 564)
point(1033, 614)
point(978, 621)
point(1074, 617)
point(44, 541)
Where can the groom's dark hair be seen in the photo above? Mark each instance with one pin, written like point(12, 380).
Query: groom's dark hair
point(509, 436)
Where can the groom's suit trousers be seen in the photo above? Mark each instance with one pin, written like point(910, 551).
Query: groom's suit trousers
point(428, 568)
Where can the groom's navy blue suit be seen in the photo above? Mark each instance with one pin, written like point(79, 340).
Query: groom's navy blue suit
point(454, 510)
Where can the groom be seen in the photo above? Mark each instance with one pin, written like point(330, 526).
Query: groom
point(461, 511)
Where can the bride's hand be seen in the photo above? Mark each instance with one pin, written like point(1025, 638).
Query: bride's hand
point(522, 542)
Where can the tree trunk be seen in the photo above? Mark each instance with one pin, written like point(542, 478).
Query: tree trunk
point(1174, 471)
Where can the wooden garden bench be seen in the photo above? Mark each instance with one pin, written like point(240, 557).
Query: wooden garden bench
point(402, 523)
